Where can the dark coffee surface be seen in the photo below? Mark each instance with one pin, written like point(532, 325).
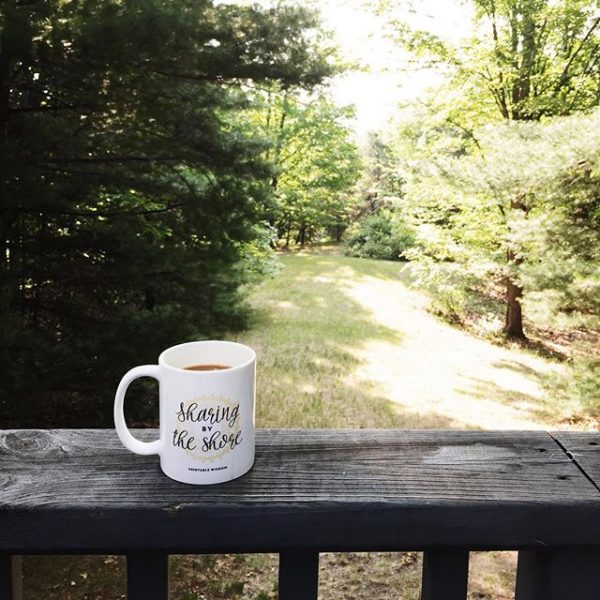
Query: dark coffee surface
point(206, 367)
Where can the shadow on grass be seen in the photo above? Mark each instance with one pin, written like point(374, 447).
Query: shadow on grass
point(308, 333)
point(535, 343)
point(526, 407)
point(518, 367)
point(387, 270)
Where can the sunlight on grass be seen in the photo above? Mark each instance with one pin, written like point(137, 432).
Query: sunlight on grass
point(346, 343)
point(306, 351)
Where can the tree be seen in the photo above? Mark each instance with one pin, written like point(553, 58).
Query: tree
point(129, 193)
point(529, 59)
point(381, 186)
point(315, 163)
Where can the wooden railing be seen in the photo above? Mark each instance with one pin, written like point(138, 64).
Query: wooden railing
point(310, 491)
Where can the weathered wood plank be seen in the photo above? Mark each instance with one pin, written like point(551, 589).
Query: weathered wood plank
point(147, 576)
point(558, 574)
point(80, 490)
point(584, 448)
point(298, 575)
point(445, 575)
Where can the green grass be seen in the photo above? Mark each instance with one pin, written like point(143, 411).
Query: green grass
point(326, 360)
point(304, 331)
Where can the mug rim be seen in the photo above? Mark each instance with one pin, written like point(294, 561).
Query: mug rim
point(163, 363)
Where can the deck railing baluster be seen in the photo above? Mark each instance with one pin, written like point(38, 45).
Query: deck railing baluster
point(6, 584)
point(147, 576)
point(445, 574)
point(298, 575)
point(11, 584)
point(558, 574)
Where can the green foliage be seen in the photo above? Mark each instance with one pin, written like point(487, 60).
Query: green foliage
point(456, 292)
point(462, 207)
point(381, 186)
point(315, 163)
point(492, 198)
point(382, 236)
point(525, 59)
point(131, 195)
point(582, 383)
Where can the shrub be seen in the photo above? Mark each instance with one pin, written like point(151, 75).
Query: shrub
point(381, 236)
point(580, 384)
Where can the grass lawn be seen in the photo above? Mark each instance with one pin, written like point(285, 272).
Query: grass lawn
point(345, 343)
point(306, 330)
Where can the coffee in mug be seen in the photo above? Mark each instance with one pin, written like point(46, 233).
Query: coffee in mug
point(206, 392)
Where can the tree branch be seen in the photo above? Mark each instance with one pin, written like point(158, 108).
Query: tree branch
point(565, 73)
point(32, 109)
point(100, 213)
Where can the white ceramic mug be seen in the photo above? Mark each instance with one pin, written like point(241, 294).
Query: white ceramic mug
point(206, 417)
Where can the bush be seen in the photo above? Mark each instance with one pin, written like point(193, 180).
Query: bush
point(381, 236)
point(580, 384)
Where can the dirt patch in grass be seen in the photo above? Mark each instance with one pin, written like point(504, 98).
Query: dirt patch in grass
point(342, 576)
point(74, 578)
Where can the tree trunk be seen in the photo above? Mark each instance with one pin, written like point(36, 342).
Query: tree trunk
point(513, 323)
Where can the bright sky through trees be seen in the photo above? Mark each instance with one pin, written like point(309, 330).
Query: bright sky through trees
point(388, 77)
point(391, 78)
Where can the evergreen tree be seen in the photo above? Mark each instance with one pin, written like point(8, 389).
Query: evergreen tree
point(129, 191)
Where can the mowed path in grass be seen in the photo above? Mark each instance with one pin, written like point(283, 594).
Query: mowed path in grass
point(345, 342)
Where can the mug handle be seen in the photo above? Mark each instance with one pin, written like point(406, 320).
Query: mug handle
point(125, 436)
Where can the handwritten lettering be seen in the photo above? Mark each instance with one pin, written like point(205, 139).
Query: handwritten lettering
point(183, 439)
point(218, 441)
point(211, 415)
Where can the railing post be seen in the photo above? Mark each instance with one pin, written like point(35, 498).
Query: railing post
point(298, 575)
point(11, 579)
point(445, 575)
point(558, 574)
point(147, 576)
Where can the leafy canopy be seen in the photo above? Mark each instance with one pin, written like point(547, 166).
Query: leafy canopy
point(130, 195)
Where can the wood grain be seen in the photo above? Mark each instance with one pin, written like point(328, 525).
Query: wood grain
point(81, 491)
point(584, 449)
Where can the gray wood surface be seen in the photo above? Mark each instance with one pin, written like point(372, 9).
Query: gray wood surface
point(81, 491)
point(584, 449)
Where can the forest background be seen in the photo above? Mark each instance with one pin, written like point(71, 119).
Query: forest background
point(155, 155)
